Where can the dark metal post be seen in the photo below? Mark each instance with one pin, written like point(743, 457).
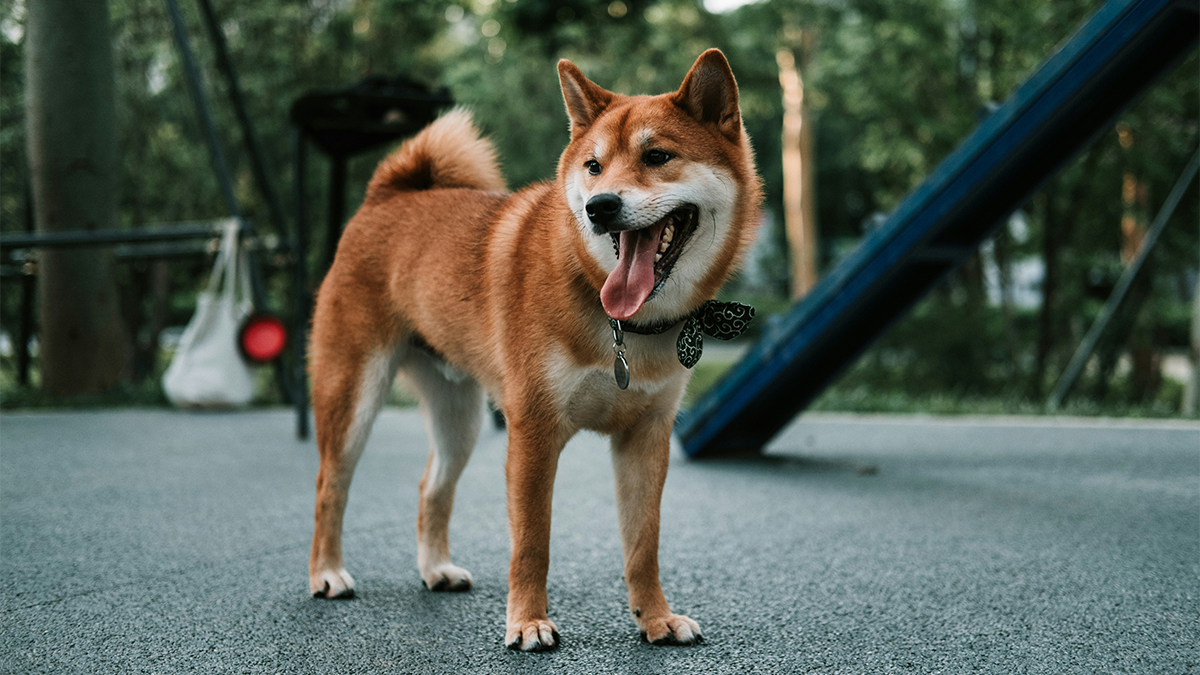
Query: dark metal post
point(25, 333)
point(239, 107)
point(301, 296)
point(193, 79)
point(337, 207)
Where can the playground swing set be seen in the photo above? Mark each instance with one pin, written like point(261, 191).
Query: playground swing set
point(341, 123)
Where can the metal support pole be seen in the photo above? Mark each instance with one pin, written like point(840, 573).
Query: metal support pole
point(337, 207)
point(1114, 301)
point(193, 79)
point(225, 65)
point(25, 333)
point(300, 291)
point(1191, 392)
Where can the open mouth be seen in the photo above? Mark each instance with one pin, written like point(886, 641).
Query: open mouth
point(645, 258)
point(672, 232)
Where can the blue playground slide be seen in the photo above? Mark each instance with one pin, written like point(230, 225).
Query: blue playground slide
point(1120, 52)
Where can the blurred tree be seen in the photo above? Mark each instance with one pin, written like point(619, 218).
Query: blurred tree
point(799, 188)
point(1190, 405)
point(15, 198)
point(73, 156)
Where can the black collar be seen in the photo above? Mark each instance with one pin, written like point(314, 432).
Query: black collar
point(656, 328)
point(722, 320)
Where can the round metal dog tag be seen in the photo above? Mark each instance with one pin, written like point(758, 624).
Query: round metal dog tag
point(621, 371)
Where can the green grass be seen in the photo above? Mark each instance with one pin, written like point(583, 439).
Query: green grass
point(145, 394)
point(401, 395)
point(844, 396)
point(704, 375)
point(860, 398)
point(863, 400)
point(14, 396)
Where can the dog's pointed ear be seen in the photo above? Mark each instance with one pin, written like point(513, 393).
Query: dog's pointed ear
point(710, 95)
point(585, 100)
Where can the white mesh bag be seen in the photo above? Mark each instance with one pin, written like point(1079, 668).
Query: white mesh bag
point(208, 370)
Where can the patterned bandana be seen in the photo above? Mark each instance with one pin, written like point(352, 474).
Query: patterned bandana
point(722, 320)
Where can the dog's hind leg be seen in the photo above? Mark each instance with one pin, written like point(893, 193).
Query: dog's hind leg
point(453, 407)
point(349, 387)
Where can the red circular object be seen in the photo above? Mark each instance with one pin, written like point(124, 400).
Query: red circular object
point(263, 338)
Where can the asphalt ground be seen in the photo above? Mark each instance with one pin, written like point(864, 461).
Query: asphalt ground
point(170, 542)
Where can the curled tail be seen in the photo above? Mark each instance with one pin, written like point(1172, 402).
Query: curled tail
point(449, 153)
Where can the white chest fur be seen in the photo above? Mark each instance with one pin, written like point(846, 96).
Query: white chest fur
point(588, 396)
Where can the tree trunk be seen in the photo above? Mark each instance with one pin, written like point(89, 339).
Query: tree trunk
point(71, 126)
point(1191, 393)
point(808, 200)
point(1059, 223)
point(799, 192)
point(1002, 250)
point(1051, 238)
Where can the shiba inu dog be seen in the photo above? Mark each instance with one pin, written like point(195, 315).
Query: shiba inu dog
point(464, 288)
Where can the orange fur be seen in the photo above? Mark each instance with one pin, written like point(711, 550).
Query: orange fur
point(449, 154)
point(465, 288)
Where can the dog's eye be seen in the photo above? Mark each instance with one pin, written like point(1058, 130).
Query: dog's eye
point(593, 167)
point(656, 157)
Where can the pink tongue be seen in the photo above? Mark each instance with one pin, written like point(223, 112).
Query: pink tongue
point(628, 286)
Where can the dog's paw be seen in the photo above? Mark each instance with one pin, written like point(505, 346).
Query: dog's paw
point(538, 635)
point(447, 578)
point(331, 584)
point(672, 629)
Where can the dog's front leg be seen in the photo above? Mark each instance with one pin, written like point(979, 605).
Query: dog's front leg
point(533, 448)
point(640, 459)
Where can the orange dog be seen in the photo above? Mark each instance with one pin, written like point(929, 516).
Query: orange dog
point(466, 288)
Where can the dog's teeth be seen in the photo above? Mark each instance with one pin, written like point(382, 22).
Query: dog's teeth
point(668, 234)
point(663, 246)
point(657, 257)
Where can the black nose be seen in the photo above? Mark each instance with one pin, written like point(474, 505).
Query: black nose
point(602, 210)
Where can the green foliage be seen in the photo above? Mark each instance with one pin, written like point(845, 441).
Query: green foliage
point(892, 87)
point(13, 164)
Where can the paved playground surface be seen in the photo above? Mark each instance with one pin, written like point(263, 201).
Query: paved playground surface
point(170, 542)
